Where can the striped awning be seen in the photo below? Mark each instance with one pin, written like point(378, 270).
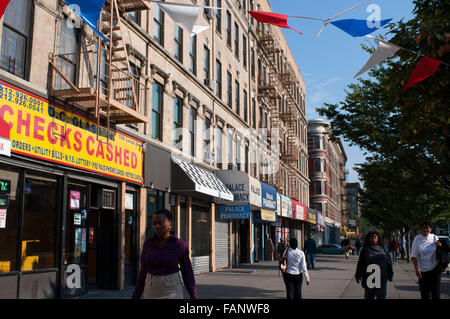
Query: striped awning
point(199, 180)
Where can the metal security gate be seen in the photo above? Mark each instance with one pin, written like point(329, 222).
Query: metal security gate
point(222, 239)
point(200, 264)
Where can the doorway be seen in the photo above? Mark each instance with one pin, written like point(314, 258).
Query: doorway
point(243, 241)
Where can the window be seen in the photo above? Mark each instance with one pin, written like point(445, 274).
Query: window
point(237, 98)
point(41, 199)
point(192, 120)
point(230, 151)
point(201, 224)
point(252, 62)
point(193, 54)
point(218, 139)
point(245, 106)
point(157, 101)
point(178, 123)
point(229, 91)
point(103, 70)
point(9, 234)
point(317, 165)
point(246, 159)
point(16, 40)
point(68, 64)
point(254, 113)
point(236, 40)
point(218, 79)
point(135, 16)
point(219, 17)
point(178, 43)
point(317, 144)
point(228, 28)
point(238, 154)
point(318, 188)
point(206, 63)
point(244, 51)
point(207, 139)
point(206, 11)
point(158, 25)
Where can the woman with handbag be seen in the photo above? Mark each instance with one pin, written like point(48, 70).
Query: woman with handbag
point(295, 268)
point(159, 277)
point(372, 255)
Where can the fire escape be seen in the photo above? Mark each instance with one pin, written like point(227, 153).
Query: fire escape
point(280, 83)
point(100, 79)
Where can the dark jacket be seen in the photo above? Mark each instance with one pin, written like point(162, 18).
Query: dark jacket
point(310, 246)
point(374, 255)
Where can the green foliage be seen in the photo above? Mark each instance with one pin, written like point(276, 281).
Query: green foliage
point(407, 177)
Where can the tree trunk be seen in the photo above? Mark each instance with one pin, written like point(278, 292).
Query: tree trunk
point(402, 244)
point(408, 234)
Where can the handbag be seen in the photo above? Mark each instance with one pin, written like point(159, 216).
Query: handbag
point(442, 256)
point(283, 261)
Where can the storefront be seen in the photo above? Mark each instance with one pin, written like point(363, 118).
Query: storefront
point(332, 231)
point(247, 200)
point(201, 189)
point(298, 222)
point(262, 221)
point(70, 223)
point(311, 221)
point(318, 230)
point(286, 217)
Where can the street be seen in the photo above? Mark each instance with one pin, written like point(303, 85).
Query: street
point(332, 278)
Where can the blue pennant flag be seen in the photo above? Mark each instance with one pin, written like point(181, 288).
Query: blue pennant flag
point(89, 12)
point(358, 28)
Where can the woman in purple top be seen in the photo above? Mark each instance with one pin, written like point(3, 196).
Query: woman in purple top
point(162, 257)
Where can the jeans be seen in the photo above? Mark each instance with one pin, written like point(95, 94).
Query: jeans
point(380, 293)
point(293, 286)
point(311, 260)
point(394, 256)
point(430, 284)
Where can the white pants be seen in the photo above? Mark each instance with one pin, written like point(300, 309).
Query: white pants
point(163, 287)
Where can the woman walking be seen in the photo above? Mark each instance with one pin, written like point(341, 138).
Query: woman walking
point(423, 256)
point(295, 269)
point(371, 256)
point(159, 277)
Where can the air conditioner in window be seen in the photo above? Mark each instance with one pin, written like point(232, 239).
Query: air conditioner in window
point(209, 83)
point(209, 157)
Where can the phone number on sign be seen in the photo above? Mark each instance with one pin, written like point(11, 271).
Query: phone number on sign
point(21, 99)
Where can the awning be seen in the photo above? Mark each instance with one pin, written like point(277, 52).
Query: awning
point(268, 215)
point(245, 189)
point(189, 178)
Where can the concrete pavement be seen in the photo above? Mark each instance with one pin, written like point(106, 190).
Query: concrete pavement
point(332, 278)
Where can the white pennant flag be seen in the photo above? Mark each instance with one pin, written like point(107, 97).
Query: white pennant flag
point(384, 50)
point(199, 29)
point(185, 16)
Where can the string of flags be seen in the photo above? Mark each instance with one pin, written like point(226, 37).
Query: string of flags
point(186, 16)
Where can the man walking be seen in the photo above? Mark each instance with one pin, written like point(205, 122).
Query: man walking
point(310, 250)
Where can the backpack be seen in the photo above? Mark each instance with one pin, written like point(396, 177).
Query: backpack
point(442, 257)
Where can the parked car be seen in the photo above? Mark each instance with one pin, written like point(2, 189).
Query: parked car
point(445, 240)
point(331, 249)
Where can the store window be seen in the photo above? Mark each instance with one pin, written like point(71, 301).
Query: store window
point(9, 219)
point(155, 201)
point(39, 243)
point(201, 226)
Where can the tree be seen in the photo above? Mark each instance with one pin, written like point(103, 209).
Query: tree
point(406, 178)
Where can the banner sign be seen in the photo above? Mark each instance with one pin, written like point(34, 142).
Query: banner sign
point(55, 134)
point(269, 197)
point(235, 212)
point(298, 210)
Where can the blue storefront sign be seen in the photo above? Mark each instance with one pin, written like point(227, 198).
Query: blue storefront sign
point(269, 197)
point(235, 212)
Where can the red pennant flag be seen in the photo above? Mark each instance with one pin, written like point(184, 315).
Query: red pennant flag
point(424, 69)
point(280, 20)
point(3, 5)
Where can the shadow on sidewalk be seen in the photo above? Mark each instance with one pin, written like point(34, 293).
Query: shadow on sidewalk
point(230, 292)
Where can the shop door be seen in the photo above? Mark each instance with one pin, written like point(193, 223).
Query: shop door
point(106, 247)
point(243, 242)
point(257, 240)
point(130, 239)
point(101, 248)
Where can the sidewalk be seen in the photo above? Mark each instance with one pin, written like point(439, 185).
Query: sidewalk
point(332, 278)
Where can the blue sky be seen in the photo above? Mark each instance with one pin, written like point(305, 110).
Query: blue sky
point(329, 62)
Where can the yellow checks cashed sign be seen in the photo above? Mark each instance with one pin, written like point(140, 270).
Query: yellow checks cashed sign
point(53, 133)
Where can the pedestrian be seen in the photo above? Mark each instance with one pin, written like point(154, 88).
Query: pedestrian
point(374, 253)
point(423, 256)
point(295, 270)
point(159, 277)
point(269, 249)
point(281, 248)
point(358, 246)
point(394, 247)
point(346, 244)
point(310, 250)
